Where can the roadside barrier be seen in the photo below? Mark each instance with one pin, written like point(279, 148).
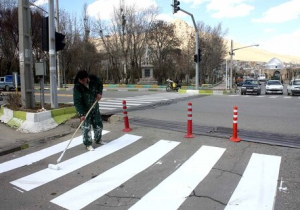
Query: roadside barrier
point(126, 121)
point(189, 133)
point(235, 137)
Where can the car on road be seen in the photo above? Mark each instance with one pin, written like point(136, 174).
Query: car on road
point(274, 86)
point(293, 87)
point(251, 86)
point(261, 77)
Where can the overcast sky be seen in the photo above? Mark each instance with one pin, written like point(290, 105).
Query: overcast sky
point(273, 24)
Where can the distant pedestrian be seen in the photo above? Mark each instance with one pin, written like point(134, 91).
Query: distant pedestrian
point(87, 89)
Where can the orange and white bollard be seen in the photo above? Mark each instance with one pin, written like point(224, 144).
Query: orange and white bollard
point(235, 137)
point(189, 133)
point(126, 121)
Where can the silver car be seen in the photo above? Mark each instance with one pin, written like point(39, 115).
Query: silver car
point(294, 87)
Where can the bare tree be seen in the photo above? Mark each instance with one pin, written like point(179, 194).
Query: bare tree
point(165, 45)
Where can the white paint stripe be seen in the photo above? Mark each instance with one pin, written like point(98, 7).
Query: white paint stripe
point(273, 97)
point(110, 105)
point(18, 190)
point(260, 96)
point(39, 155)
point(173, 191)
point(131, 100)
point(106, 108)
point(116, 103)
point(257, 187)
point(287, 97)
point(88, 192)
point(44, 176)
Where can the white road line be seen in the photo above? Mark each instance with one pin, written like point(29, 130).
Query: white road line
point(173, 191)
point(110, 105)
point(39, 155)
point(257, 187)
point(260, 96)
point(88, 192)
point(119, 104)
point(107, 108)
point(287, 97)
point(273, 97)
point(47, 175)
point(131, 101)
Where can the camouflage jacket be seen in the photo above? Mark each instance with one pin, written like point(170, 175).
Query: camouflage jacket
point(84, 97)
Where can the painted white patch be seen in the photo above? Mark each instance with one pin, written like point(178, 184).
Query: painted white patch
point(257, 187)
point(39, 155)
point(159, 162)
point(37, 127)
point(47, 175)
point(273, 97)
point(88, 192)
point(173, 191)
point(18, 190)
point(284, 189)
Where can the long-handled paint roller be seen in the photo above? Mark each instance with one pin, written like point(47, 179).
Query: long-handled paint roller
point(56, 167)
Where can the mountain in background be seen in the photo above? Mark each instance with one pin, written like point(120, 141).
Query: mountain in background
point(183, 30)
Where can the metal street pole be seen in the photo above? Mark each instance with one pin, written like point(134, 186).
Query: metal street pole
point(231, 53)
point(197, 78)
point(25, 54)
point(52, 57)
point(231, 63)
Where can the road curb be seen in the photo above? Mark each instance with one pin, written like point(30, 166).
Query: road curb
point(27, 122)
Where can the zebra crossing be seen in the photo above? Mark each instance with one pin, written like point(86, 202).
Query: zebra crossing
point(134, 101)
point(259, 178)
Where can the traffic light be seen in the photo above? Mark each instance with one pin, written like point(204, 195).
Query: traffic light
point(176, 7)
point(195, 58)
point(199, 55)
point(59, 37)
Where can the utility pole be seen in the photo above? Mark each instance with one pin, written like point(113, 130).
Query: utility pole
point(176, 8)
point(231, 53)
point(25, 54)
point(52, 57)
point(59, 80)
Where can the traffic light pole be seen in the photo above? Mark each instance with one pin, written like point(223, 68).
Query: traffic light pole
point(52, 57)
point(196, 49)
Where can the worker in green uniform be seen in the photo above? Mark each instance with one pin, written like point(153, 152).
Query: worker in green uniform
point(87, 89)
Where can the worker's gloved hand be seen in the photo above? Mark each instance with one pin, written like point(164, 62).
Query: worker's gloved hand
point(99, 96)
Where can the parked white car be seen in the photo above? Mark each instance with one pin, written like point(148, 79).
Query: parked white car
point(294, 87)
point(274, 86)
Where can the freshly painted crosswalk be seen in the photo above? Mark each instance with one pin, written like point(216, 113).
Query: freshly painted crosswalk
point(258, 186)
point(173, 191)
point(256, 189)
point(86, 193)
point(42, 154)
point(47, 175)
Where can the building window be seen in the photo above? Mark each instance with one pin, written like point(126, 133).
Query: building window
point(147, 72)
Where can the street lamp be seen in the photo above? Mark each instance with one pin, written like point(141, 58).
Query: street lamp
point(231, 53)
